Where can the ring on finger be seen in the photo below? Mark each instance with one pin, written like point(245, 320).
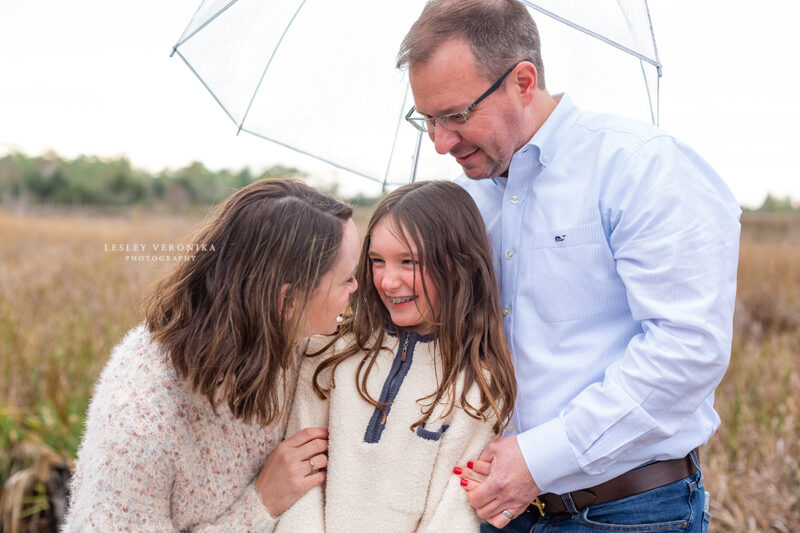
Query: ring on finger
point(312, 466)
point(508, 514)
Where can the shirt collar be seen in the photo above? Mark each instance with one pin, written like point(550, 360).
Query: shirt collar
point(393, 331)
point(553, 132)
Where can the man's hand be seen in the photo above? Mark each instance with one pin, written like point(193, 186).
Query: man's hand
point(508, 485)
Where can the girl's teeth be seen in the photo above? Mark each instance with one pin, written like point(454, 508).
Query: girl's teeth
point(400, 300)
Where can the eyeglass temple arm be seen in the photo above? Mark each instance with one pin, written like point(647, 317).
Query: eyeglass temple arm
point(490, 90)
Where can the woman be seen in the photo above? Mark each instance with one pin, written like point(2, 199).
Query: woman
point(184, 429)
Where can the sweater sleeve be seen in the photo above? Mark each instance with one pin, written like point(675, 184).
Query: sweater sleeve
point(247, 513)
point(127, 465)
point(119, 484)
point(308, 410)
point(134, 495)
point(447, 507)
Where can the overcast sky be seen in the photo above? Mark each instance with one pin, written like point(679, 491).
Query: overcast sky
point(95, 77)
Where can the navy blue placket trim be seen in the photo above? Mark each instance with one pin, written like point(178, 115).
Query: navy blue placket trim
point(392, 385)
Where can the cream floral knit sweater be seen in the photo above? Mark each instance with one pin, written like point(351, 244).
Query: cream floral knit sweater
point(156, 458)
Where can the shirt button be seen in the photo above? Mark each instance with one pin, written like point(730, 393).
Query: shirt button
point(515, 199)
point(506, 311)
point(510, 254)
point(510, 428)
point(545, 159)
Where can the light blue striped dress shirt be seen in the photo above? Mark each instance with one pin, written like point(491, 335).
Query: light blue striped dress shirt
point(616, 249)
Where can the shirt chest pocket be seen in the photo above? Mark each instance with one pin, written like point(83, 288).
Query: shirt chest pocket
point(573, 274)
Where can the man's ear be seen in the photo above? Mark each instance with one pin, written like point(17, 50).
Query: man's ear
point(525, 78)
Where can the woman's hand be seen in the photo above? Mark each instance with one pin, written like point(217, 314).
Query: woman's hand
point(287, 473)
point(473, 474)
point(471, 478)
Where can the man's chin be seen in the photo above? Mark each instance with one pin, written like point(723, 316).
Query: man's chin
point(476, 177)
point(475, 173)
point(479, 167)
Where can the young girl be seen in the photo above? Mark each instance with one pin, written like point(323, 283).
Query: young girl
point(419, 378)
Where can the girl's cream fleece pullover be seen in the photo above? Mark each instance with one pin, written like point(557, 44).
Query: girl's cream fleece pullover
point(382, 476)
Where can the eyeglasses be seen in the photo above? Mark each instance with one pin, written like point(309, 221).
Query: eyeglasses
point(453, 121)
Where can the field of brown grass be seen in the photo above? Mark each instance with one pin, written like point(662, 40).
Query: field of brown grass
point(67, 296)
point(752, 461)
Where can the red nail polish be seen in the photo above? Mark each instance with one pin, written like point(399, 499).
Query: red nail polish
point(464, 482)
point(457, 470)
point(470, 464)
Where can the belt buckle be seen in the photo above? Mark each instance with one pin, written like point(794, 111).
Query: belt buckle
point(539, 504)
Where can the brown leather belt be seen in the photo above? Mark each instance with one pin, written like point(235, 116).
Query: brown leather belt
point(638, 480)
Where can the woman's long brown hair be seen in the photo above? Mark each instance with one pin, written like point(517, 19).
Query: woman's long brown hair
point(223, 318)
point(443, 222)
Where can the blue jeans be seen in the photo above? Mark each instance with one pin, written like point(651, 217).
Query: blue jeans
point(677, 507)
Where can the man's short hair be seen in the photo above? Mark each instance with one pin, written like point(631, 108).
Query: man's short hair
point(501, 33)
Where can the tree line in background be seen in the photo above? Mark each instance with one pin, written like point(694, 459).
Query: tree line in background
point(101, 182)
point(778, 205)
point(92, 181)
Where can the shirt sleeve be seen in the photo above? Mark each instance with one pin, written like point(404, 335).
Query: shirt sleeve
point(308, 410)
point(447, 507)
point(674, 235)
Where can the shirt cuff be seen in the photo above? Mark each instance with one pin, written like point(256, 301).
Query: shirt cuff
point(548, 454)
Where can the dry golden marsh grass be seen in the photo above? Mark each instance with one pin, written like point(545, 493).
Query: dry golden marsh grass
point(66, 297)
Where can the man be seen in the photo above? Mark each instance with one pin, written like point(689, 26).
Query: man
point(616, 247)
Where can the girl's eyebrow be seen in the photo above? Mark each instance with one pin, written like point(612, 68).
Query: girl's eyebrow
point(403, 255)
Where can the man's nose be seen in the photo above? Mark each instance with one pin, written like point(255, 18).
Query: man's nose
point(443, 139)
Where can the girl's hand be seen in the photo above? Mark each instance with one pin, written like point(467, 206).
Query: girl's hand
point(473, 475)
point(287, 473)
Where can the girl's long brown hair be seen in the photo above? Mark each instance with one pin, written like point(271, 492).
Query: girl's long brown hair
point(223, 318)
point(443, 222)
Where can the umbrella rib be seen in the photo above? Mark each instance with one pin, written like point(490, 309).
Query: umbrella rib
point(658, 79)
point(658, 101)
point(394, 140)
point(269, 62)
point(653, 36)
point(298, 150)
point(649, 99)
point(205, 85)
point(594, 34)
point(203, 25)
point(416, 157)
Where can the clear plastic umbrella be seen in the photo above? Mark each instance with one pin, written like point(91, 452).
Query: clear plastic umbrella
point(318, 76)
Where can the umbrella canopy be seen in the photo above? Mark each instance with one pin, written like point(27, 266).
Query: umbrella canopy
point(318, 76)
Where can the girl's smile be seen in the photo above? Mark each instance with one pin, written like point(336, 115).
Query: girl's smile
point(396, 276)
point(402, 300)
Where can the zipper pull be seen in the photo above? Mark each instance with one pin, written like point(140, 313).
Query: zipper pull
point(405, 347)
